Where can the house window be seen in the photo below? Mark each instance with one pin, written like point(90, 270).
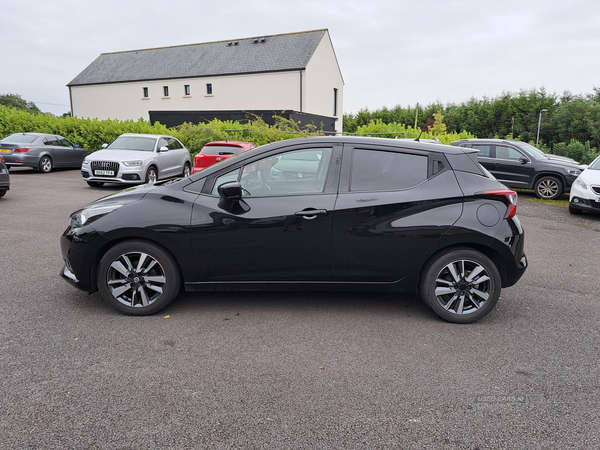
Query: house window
point(335, 101)
point(186, 89)
point(208, 88)
point(145, 89)
point(165, 91)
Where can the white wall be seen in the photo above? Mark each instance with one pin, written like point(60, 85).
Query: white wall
point(239, 92)
point(322, 76)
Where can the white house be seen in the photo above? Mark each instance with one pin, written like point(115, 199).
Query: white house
point(295, 72)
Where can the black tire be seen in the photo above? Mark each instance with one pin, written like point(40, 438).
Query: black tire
point(2, 192)
point(548, 188)
point(138, 278)
point(45, 164)
point(461, 285)
point(574, 210)
point(187, 170)
point(95, 183)
point(151, 175)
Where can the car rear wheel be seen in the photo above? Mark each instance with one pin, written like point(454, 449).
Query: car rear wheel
point(461, 285)
point(151, 175)
point(45, 164)
point(187, 170)
point(548, 188)
point(138, 278)
point(95, 183)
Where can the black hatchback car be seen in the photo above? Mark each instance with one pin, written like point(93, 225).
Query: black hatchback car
point(521, 165)
point(375, 214)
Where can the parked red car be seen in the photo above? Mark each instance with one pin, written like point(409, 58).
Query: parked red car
point(213, 152)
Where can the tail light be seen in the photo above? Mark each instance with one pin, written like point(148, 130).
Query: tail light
point(22, 150)
point(506, 196)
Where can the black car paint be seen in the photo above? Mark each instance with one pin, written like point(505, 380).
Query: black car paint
point(4, 177)
point(270, 244)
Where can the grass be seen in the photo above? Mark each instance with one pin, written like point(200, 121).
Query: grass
point(525, 194)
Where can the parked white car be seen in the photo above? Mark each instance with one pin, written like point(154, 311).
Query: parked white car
point(137, 158)
point(585, 191)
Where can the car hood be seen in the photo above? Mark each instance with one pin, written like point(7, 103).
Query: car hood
point(590, 176)
point(119, 155)
point(128, 195)
point(562, 164)
point(561, 158)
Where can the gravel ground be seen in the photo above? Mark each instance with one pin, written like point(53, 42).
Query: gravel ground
point(293, 370)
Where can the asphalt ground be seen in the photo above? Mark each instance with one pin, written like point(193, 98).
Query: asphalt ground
point(293, 370)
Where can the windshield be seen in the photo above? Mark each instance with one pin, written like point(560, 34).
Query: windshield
point(532, 151)
point(143, 144)
point(20, 138)
point(595, 165)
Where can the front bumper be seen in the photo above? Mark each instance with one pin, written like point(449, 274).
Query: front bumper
point(124, 177)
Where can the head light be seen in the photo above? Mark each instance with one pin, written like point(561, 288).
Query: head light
point(132, 163)
point(574, 172)
point(88, 215)
point(579, 182)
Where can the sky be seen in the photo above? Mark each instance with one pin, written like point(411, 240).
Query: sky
point(390, 52)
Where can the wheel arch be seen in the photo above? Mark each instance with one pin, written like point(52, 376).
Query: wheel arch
point(560, 177)
point(488, 251)
point(99, 254)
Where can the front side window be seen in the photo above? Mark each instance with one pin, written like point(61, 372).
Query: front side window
point(509, 153)
point(290, 173)
point(376, 170)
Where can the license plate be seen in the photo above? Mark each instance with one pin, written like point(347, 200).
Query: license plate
point(108, 173)
point(4, 150)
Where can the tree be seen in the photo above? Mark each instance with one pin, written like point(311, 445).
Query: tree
point(17, 102)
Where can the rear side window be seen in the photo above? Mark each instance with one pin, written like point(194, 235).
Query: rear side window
point(377, 170)
point(483, 150)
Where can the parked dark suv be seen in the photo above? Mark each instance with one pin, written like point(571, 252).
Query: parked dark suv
point(521, 165)
point(370, 214)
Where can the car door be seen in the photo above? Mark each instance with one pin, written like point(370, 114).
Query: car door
point(72, 155)
point(55, 150)
point(392, 207)
point(280, 230)
point(165, 159)
point(179, 155)
point(512, 167)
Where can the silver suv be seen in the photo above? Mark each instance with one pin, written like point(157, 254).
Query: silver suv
point(137, 158)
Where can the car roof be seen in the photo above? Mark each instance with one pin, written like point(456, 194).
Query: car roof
point(154, 136)
point(377, 141)
point(230, 143)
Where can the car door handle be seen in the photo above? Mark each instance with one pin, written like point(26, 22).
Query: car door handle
point(311, 213)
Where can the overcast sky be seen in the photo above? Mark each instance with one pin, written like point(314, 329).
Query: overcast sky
point(391, 52)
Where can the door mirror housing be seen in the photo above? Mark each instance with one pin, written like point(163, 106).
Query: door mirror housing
point(524, 160)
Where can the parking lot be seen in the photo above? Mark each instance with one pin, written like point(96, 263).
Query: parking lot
point(293, 370)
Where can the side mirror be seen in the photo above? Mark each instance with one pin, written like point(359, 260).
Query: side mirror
point(163, 149)
point(583, 166)
point(231, 191)
point(231, 198)
point(104, 145)
point(524, 160)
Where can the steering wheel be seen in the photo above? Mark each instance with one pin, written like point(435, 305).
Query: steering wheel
point(262, 180)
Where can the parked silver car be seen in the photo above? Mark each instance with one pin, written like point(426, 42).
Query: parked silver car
point(41, 151)
point(137, 158)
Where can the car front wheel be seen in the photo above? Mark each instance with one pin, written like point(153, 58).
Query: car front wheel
point(45, 164)
point(548, 188)
point(138, 278)
point(151, 175)
point(574, 210)
point(461, 285)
